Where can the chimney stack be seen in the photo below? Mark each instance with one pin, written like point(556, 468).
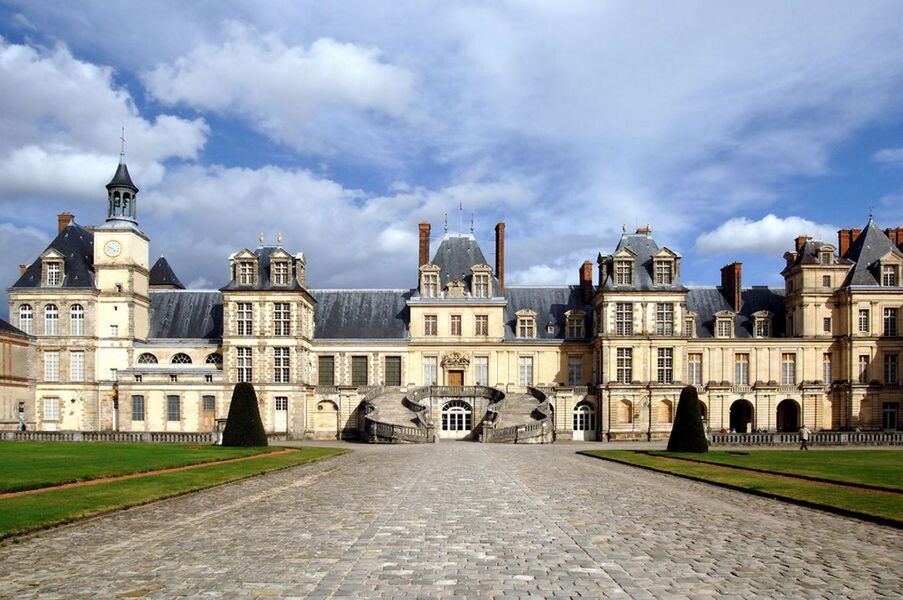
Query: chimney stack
point(63, 220)
point(731, 284)
point(586, 281)
point(801, 241)
point(424, 244)
point(845, 239)
point(22, 269)
point(900, 238)
point(500, 255)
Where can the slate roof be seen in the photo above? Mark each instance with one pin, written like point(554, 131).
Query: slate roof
point(76, 244)
point(550, 304)
point(871, 245)
point(808, 254)
point(161, 274)
point(705, 302)
point(361, 314)
point(644, 247)
point(186, 314)
point(263, 255)
point(122, 178)
point(9, 329)
point(456, 255)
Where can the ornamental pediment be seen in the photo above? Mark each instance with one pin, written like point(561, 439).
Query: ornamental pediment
point(455, 359)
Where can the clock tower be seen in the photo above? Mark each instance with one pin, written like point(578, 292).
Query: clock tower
point(121, 277)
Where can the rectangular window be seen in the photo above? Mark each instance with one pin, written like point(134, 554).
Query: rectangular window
point(137, 408)
point(173, 408)
point(51, 409)
point(359, 370)
point(526, 327)
point(76, 366)
point(624, 371)
point(665, 365)
point(741, 369)
point(430, 370)
point(481, 370)
point(863, 368)
point(663, 273)
point(481, 285)
point(246, 273)
point(245, 364)
point(788, 369)
point(114, 330)
point(481, 325)
point(826, 281)
point(664, 319)
point(456, 324)
point(52, 366)
point(826, 373)
point(890, 368)
point(280, 273)
point(281, 403)
point(430, 325)
point(575, 370)
point(762, 328)
point(890, 321)
point(430, 285)
point(208, 402)
point(54, 273)
point(326, 370)
point(826, 324)
point(889, 275)
point(281, 365)
point(525, 370)
point(138, 379)
point(724, 328)
point(282, 318)
point(624, 318)
point(623, 273)
point(393, 370)
point(575, 327)
point(244, 318)
point(694, 369)
point(863, 320)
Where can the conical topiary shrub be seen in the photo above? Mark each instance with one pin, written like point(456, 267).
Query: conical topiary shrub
point(687, 433)
point(243, 426)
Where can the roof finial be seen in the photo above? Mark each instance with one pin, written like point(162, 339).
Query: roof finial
point(279, 238)
point(871, 209)
point(446, 221)
point(122, 147)
point(624, 228)
point(461, 214)
point(471, 223)
point(260, 237)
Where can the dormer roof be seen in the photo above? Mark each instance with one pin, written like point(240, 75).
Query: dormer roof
point(643, 250)
point(122, 178)
point(75, 245)
point(263, 257)
point(456, 257)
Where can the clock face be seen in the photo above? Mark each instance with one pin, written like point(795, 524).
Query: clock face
point(112, 248)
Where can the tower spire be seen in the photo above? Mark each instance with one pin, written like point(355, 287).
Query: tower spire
point(122, 147)
point(121, 192)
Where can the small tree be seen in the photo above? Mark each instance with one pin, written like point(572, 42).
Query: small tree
point(687, 433)
point(243, 426)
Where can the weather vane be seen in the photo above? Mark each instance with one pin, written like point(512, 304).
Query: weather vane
point(446, 221)
point(871, 209)
point(122, 145)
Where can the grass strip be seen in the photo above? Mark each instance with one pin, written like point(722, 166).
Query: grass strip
point(877, 469)
point(878, 507)
point(24, 514)
point(32, 465)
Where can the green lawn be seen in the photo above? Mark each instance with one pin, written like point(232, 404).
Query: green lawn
point(30, 465)
point(52, 507)
point(879, 468)
point(881, 506)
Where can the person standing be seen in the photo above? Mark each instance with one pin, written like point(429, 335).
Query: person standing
point(804, 438)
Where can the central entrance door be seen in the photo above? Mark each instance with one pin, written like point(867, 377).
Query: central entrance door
point(457, 420)
point(456, 378)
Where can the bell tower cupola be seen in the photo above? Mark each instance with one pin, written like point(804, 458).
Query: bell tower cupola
point(121, 193)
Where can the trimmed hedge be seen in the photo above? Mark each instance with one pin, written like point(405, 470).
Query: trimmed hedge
point(688, 433)
point(243, 426)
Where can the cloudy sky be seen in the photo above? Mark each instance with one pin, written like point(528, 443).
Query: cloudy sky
point(729, 128)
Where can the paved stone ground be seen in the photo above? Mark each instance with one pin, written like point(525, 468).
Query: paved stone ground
point(460, 520)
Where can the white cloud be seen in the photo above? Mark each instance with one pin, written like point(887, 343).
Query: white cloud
point(892, 156)
point(18, 246)
point(543, 275)
point(768, 235)
point(293, 94)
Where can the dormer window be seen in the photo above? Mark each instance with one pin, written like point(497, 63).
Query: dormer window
point(623, 272)
point(575, 323)
point(429, 281)
point(825, 257)
point(481, 286)
point(889, 275)
point(664, 272)
point(54, 274)
point(281, 273)
point(526, 324)
point(690, 325)
point(724, 324)
point(762, 324)
point(246, 275)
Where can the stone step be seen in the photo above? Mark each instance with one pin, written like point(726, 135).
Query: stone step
point(518, 410)
point(391, 410)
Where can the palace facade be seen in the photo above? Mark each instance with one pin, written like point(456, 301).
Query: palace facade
point(103, 340)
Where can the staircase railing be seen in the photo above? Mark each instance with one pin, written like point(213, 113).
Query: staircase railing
point(542, 429)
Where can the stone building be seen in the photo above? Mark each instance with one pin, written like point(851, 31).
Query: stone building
point(121, 345)
point(16, 378)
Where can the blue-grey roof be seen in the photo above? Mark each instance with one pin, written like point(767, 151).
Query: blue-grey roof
point(9, 329)
point(361, 314)
point(161, 274)
point(186, 314)
point(550, 304)
point(456, 255)
point(76, 244)
point(645, 248)
point(871, 245)
point(705, 302)
point(122, 178)
point(264, 282)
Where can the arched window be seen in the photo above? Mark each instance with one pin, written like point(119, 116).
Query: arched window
point(457, 416)
point(51, 320)
point(26, 318)
point(77, 320)
point(147, 359)
point(214, 358)
point(665, 411)
point(584, 417)
point(625, 412)
point(181, 359)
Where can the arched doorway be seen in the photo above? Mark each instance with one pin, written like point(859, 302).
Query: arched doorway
point(788, 415)
point(741, 416)
point(326, 420)
point(584, 422)
point(457, 420)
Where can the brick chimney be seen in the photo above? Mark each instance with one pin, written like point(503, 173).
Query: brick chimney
point(500, 255)
point(845, 239)
point(424, 244)
point(586, 281)
point(22, 269)
point(801, 241)
point(731, 284)
point(63, 220)
point(900, 238)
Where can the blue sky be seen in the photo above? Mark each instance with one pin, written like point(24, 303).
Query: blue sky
point(731, 128)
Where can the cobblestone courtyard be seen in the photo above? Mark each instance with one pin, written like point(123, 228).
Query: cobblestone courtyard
point(466, 520)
